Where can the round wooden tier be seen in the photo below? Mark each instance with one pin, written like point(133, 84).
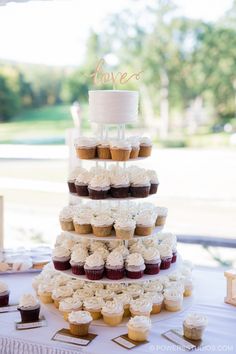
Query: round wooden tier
point(125, 280)
point(113, 237)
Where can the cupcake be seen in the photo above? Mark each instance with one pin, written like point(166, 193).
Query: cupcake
point(77, 261)
point(60, 293)
point(102, 251)
point(135, 147)
point(188, 286)
point(153, 180)
point(86, 148)
point(82, 223)
point(144, 224)
point(66, 219)
point(105, 294)
point(79, 322)
point(125, 298)
point(156, 299)
point(124, 228)
point(138, 328)
point(69, 304)
point(94, 306)
point(140, 184)
point(135, 290)
point(45, 290)
point(72, 177)
point(83, 294)
point(103, 150)
point(141, 307)
point(134, 266)
point(194, 326)
point(102, 225)
point(82, 182)
point(29, 308)
point(99, 186)
point(120, 185)
point(161, 216)
point(145, 147)
point(94, 266)
point(166, 255)
point(4, 294)
point(114, 268)
point(112, 313)
point(120, 150)
point(152, 260)
point(61, 258)
point(173, 299)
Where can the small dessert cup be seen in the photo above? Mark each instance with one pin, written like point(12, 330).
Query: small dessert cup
point(173, 299)
point(103, 151)
point(81, 189)
point(86, 148)
point(62, 263)
point(138, 328)
point(4, 298)
point(82, 229)
point(118, 154)
point(79, 322)
point(98, 193)
point(114, 273)
point(194, 326)
point(143, 230)
point(119, 191)
point(152, 268)
point(165, 262)
point(77, 268)
point(153, 188)
point(112, 313)
point(95, 273)
point(139, 191)
point(29, 308)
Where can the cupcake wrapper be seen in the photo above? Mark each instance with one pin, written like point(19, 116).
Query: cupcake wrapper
point(4, 300)
point(83, 229)
point(94, 274)
point(165, 263)
point(102, 231)
point(134, 275)
point(86, 153)
point(143, 230)
point(62, 265)
point(134, 153)
point(104, 153)
point(79, 329)
point(29, 315)
point(145, 151)
point(71, 186)
point(98, 194)
point(160, 221)
point(153, 188)
point(120, 192)
point(120, 154)
point(67, 225)
point(77, 269)
point(115, 274)
point(139, 192)
point(82, 190)
point(174, 257)
point(152, 268)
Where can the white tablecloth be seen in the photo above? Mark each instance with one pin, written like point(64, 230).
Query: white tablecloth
point(210, 288)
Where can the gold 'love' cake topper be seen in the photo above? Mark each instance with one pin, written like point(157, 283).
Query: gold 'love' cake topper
point(100, 76)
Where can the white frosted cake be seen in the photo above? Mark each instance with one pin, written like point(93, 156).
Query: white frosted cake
point(113, 106)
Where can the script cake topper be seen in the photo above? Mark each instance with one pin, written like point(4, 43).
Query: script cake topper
point(100, 76)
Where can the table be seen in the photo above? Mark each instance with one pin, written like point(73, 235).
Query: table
point(210, 289)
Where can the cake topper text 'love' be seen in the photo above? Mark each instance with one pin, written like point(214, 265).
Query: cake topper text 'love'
point(99, 76)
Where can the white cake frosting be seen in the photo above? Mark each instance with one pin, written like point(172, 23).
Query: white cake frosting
point(113, 106)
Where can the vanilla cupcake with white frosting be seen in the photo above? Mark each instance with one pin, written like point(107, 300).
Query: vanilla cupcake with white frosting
point(45, 290)
point(103, 150)
point(112, 312)
point(79, 322)
point(114, 268)
point(173, 299)
point(69, 304)
point(161, 216)
point(135, 146)
point(120, 150)
point(134, 266)
point(82, 222)
point(125, 298)
point(60, 293)
point(85, 147)
point(102, 225)
point(135, 290)
point(141, 307)
point(138, 328)
point(66, 218)
point(124, 228)
point(194, 326)
point(61, 258)
point(156, 300)
point(94, 306)
point(144, 223)
point(153, 180)
point(145, 146)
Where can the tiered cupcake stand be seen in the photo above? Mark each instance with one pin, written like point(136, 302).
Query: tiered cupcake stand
point(104, 129)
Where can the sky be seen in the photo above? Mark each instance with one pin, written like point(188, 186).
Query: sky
point(55, 32)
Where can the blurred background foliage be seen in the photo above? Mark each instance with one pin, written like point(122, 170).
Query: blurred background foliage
point(188, 85)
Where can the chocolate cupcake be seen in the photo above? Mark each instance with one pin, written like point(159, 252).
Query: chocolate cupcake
point(94, 267)
point(29, 308)
point(4, 294)
point(77, 262)
point(61, 258)
point(140, 184)
point(166, 255)
point(134, 266)
point(102, 225)
point(153, 180)
point(119, 184)
point(152, 260)
point(115, 266)
point(82, 182)
point(99, 187)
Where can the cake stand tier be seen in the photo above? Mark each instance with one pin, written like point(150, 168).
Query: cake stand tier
point(74, 195)
point(125, 280)
point(113, 237)
point(110, 160)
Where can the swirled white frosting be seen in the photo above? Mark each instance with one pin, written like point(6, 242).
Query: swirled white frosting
point(60, 252)
point(94, 303)
point(103, 252)
point(102, 220)
point(173, 294)
point(134, 259)
point(137, 247)
point(66, 214)
point(78, 317)
point(145, 219)
point(154, 297)
point(145, 140)
point(152, 175)
point(28, 300)
point(83, 178)
point(112, 307)
point(125, 224)
point(115, 259)
point(104, 143)
point(62, 291)
point(73, 174)
point(196, 320)
point(165, 250)
point(94, 260)
point(85, 142)
point(3, 287)
point(140, 322)
point(120, 144)
point(134, 141)
point(141, 305)
point(69, 304)
point(95, 245)
point(151, 254)
point(106, 294)
point(124, 297)
point(46, 287)
point(100, 181)
point(120, 179)
point(139, 178)
point(162, 211)
point(79, 256)
point(83, 294)
point(82, 218)
point(135, 289)
point(154, 286)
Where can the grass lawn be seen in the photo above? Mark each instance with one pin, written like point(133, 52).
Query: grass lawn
point(41, 125)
